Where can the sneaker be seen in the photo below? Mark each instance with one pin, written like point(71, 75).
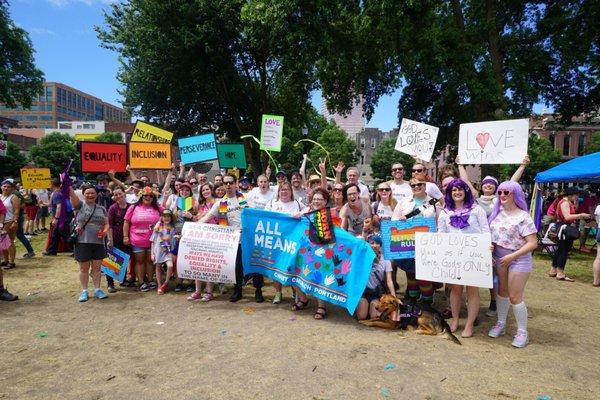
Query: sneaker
point(258, 296)
point(99, 294)
point(28, 237)
point(194, 296)
point(497, 330)
point(29, 255)
point(112, 289)
point(206, 297)
point(222, 288)
point(144, 287)
point(191, 288)
point(45, 253)
point(152, 285)
point(236, 295)
point(278, 297)
point(521, 339)
point(5, 295)
point(179, 287)
point(83, 297)
point(163, 289)
point(491, 313)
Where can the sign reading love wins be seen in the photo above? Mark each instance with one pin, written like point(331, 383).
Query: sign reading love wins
point(416, 139)
point(493, 142)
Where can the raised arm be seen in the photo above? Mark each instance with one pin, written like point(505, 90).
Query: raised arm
point(323, 171)
point(338, 171)
point(131, 173)
point(111, 175)
point(462, 173)
point(519, 172)
point(303, 167)
point(74, 199)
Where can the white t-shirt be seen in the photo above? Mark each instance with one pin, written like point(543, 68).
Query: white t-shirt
point(399, 191)
point(43, 196)
point(290, 208)
point(378, 274)
point(383, 211)
point(433, 190)
point(259, 200)
point(597, 214)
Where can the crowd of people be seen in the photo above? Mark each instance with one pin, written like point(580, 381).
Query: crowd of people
point(145, 218)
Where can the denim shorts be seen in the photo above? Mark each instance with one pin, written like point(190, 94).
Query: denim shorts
point(137, 249)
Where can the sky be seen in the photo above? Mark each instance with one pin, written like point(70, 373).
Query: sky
point(68, 51)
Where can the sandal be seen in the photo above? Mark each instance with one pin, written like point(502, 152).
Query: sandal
point(299, 305)
point(206, 297)
point(565, 278)
point(320, 315)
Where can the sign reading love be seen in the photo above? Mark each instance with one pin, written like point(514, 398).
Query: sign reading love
point(493, 142)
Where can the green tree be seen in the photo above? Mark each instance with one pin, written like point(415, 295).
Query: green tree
point(385, 156)
point(20, 80)
point(110, 137)
point(594, 145)
point(339, 146)
point(54, 151)
point(11, 164)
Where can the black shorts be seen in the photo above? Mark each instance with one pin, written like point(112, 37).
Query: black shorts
point(42, 212)
point(85, 252)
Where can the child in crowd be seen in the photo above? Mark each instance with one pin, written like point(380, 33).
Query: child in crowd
point(163, 244)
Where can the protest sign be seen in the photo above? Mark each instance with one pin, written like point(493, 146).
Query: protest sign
point(3, 148)
point(102, 157)
point(493, 142)
point(143, 132)
point(335, 272)
point(143, 155)
point(207, 252)
point(398, 237)
point(35, 178)
point(416, 139)
point(231, 155)
point(115, 264)
point(198, 148)
point(457, 258)
point(271, 132)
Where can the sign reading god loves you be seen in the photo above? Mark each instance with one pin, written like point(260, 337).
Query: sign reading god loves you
point(207, 252)
point(143, 132)
point(115, 264)
point(278, 247)
point(398, 237)
point(493, 142)
point(198, 148)
point(231, 155)
point(144, 155)
point(35, 178)
point(462, 259)
point(102, 157)
point(416, 139)
point(271, 132)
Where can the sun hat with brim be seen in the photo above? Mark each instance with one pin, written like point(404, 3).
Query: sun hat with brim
point(313, 178)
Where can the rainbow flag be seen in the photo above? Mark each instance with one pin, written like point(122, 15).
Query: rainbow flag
point(115, 264)
point(535, 208)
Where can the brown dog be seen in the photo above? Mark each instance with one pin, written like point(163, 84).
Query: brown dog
point(394, 315)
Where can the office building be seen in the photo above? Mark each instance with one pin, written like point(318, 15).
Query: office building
point(352, 123)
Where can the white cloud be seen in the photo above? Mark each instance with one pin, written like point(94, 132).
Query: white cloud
point(42, 31)
point(64, 3)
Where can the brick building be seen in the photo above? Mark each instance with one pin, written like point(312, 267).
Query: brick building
point(569, 140)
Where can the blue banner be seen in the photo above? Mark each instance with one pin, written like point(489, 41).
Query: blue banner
point(278, 247)
point(198, 148)
point(399, 236)
point(115, 264)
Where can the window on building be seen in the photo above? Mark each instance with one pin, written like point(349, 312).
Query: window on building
point(89, 126)
point(65, 125)
point(552, 139)
point(362, 143)
point(362, 159)
point(581, 144)
point(31, 117)
point(566, 145)
point(48, 107)
point(373, 143)
point(49, 93)
point(46, 117)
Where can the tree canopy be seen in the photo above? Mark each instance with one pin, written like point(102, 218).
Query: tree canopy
point(20, 80)
point(11, 165)
point(54, 151)
point(385, 156)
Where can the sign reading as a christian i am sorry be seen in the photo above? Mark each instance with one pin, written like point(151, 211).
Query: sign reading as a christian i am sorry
point(35, 178)
point(115, 264)
point(199, 148)
point(143, 155)
point(271, 132)
point(144, 132)
point(461, 259)
point(207, 252)
point(398, 237)
point(231, 155)
point(493, 142)
point(416, 139)
point(102, 157)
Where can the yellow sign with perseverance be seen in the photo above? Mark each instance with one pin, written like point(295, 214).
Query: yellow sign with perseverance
point(143, 132)
point(35, 178)
point(143, 155)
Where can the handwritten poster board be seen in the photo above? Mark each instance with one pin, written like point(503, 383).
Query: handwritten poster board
point(102, 157)
point(207, 252)
point(398, 237)
point(462, 259)
point(416, 139)
point(271, 132)
point(493, 142)
point(35, 178)
point(144, 155)
point(231, 155)
point(198, 148)
point(115, 264)
point(144, 132)
point(3, 148)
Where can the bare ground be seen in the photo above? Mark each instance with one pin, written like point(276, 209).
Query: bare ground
point(115, 348)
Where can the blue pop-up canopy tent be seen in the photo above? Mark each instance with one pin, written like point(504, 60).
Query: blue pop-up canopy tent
point(585, 169)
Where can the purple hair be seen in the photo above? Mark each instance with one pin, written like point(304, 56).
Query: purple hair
point(518, 196)
point(458, 183)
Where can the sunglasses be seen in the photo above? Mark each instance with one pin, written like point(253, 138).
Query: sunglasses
point(193, 183)
point(337, 189)
point(383, 189)
point(418, 170)
point(415, 185)
point(397, 169)
point(504, 192)
point(318, 199)
point(228, 182)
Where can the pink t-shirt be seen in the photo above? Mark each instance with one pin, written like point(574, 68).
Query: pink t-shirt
point(509, 231)
point(141, 222)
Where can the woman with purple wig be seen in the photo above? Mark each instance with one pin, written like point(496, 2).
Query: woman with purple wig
point(462, 214)
point(514, 238)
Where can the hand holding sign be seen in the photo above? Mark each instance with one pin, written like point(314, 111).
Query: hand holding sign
point(416, 139)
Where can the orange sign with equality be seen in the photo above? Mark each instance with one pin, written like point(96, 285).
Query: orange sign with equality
point(147, 155)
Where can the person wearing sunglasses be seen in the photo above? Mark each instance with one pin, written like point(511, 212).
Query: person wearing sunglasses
point(415, 289)
point(400, 187)
point(419, 172)
point(514, 237)
point(384, 205)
